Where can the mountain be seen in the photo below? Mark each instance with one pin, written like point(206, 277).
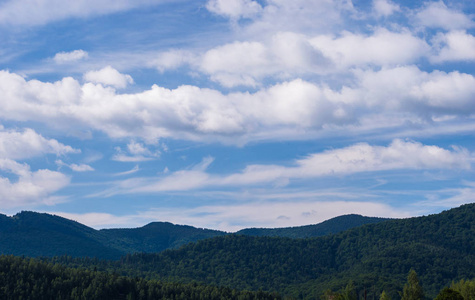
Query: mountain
point(331, 226)
point(156, 237)
point(39, 234)
point(376, 257)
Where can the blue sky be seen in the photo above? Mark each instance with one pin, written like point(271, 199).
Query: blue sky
point(228, 114)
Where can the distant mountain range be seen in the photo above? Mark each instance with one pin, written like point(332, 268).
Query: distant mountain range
point(39, 234)
point(375, 257)
point(370, 257)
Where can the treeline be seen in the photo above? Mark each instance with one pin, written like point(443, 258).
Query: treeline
point(376, 257)
point(461, 290)
point(28, 278)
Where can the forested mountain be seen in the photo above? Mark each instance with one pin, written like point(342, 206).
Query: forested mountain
point(30, 279)
point(38, 234)
point(376, 257)
point(334, 225)
point(156, 237)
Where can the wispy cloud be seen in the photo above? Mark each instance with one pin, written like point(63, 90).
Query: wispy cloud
point(399, 155)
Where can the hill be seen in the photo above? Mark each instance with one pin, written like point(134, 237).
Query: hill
point(156, 237)
point(376, 257)
point(331, 226)
point(39, 234)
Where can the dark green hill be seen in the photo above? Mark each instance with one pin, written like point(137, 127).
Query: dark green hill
point(38, 234)
point(441, 248)
point(156, 236)
point(331, 226)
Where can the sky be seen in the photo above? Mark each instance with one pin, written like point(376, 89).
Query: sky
point(229, 114)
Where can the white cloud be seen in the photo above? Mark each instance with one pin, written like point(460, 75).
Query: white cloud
point(27, 144)
point(75, 167)
point(232, 218)
point(382, 48)
point(109, 76)
point(308, 17)
point(454, 46)
point(399, 155)
point(26, 12)
point(131, 171)
point(65, 57)
point(173, 59)
point(291, 109)
point(136, 152)
point(234, 9)
point(31, 187)
point(102, 220)
point(438, 15)
point(385, 8)
point(289, 55)
point(277, 214)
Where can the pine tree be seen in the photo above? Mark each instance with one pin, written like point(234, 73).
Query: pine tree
point(412, 289)
point(384, 296)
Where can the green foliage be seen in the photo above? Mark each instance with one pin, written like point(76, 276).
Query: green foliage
point(384, 296)
point(449, 294)
point(412, 289)
point(375, 257)
point(331, 226)
point(27, 278)
point(465, 287)
point(34, 234)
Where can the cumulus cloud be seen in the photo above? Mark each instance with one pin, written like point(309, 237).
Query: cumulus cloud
point(109, 76)
point(31, 187)
point(173, 59)
point(438, 15)
point(26, 12)
point(293, 108)
point(65, 57)
point(382, 48)
point(234, 9)
point(308, 17)
point(454, 46)
point(289, 55)
point(385, 8)
point(27, 144)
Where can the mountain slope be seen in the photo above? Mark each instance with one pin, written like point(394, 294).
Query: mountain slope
point(156, 237)
point(38, 234)
point(334, 225)
point(35, 234)
point(441, 248)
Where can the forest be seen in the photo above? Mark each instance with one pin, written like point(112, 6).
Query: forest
point(364, 262)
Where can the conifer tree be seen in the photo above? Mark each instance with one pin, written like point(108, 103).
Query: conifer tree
point(412, 289)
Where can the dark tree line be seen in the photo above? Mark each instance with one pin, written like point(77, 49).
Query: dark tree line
point(28, 278)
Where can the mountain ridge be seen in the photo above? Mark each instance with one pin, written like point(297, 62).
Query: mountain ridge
point(41, 234)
